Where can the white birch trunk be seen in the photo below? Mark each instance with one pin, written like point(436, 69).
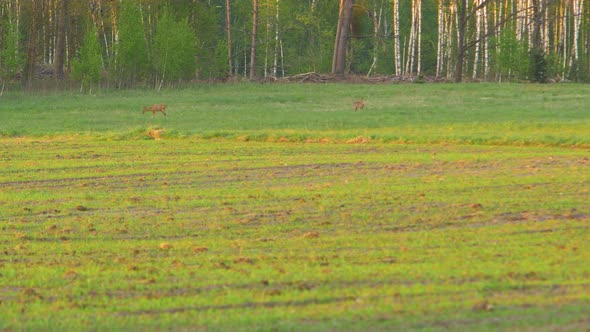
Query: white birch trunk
point(419, 38)
point(414, 42)
point(282, 59)
point(477, 36)
point(546, 29)
point(564, 39)
point(530, 21)
point(411, 40)
point(376, 27)
point(451, 18)
point(577, 13)
point(396, 37)
point(266, 46)
point(254, 39)
point(440, 40)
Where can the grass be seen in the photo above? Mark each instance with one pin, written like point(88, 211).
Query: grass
point(262, 220)
point(479, 113)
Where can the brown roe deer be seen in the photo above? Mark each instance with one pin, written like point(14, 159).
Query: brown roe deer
point(155, 108)
point(358, 105)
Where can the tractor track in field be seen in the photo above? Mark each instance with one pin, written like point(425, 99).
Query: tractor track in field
point(221, 176)
point(398, 296)
point(394, 288)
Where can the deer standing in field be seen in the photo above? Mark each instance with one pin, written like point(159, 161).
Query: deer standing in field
point(358, 104)
point(155, 108)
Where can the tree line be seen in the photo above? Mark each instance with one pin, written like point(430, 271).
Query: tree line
point(126, 43)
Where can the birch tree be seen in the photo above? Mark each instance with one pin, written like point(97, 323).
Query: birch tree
point(577, 10)
point(376, 16)
point(278, 44)
point(481, 44)
point(465, 13)
point(415, 40)
point(446, 38)
point(254, 36)
point(440, 42)
point(397, 58)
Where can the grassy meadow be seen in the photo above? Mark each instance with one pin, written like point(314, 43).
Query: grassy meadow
point(276, 207)
point(409, 113)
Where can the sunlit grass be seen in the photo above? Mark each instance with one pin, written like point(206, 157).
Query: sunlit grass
point(276, 207)
point(232, 235)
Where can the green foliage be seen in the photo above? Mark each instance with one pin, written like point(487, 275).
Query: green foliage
point(131, 59)
point(429, 36)
point(578, 71)
point(86, 68)
point(538, 65)
point(308, 36)
point(511, 56)
point(553, 64)
point(219, 68)
point(127, 35)
point(206, 18)
point(11, 60)
point(360, 56)
point(173, 49)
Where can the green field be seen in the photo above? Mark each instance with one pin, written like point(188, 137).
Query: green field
point(276, 207)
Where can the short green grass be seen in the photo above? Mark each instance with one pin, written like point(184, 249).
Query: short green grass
point(476, 113)
point(474, 217)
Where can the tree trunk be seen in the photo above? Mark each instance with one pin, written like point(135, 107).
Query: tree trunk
point(478, 48)
point(228, 28)
point(31, 49)
point(462, 24)
point(376, 17)
point(396, 43)
point(277, 41)
point(342, 34)
point(440, 40)
point(61, 40)
point(577, 12)
point(267, 44)
point(95, 14)
point(254, 33)
point(419, 37)
point(485, 44)
point(411, 42)
point(449, 37)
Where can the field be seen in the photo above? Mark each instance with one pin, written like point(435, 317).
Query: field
point(276, 207)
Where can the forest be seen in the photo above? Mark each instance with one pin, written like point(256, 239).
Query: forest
point(155, 43)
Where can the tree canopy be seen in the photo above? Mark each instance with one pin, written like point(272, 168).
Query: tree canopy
point(159, 42)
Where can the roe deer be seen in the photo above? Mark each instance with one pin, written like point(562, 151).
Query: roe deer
point(358, 105)
point(155, 108)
